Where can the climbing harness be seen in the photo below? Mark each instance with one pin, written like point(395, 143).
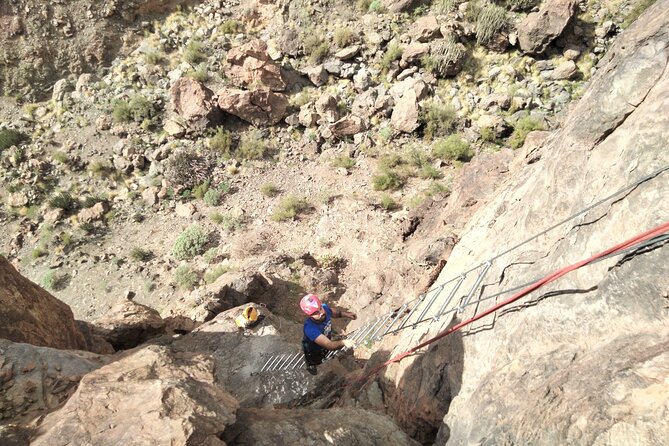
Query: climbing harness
point(408, 314)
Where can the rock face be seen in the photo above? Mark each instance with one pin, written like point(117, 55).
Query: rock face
point(36, 380)
point(306, 426)
point(147, 397)
point(582, 360)
point(30, 314)
point(541, 28)
point(259, 107)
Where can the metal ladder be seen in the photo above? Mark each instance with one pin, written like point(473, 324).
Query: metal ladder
point(421, 310)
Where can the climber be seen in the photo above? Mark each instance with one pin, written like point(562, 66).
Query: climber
point(317, 341)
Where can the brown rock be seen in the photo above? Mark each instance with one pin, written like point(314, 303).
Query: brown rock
point(348, 52)
point(326, 107)
point(541, 28)
point(194, 103)
point(425, 29)
point(398, 5)
point(259, 107)
point(251, 65)
point(129, 324)
point(566, 70)
point(405, 113)
point(30, 314)
point(414, 52)
point(307, 116)
point(184, 209)
point(150, 195)
point(148, 397)
point(318, 75)
point(348, 126)
point(17, 199)
point(93, 213)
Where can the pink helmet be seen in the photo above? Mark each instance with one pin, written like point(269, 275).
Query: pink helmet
point(310, 304)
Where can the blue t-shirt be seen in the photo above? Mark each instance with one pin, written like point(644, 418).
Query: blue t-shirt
point(313, 329)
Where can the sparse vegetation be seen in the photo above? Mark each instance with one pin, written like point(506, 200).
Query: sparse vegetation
point(213, 274)
point(445, 6)
point(521, 128)
point(221, 142)
point(138, 109)
point(388, 202)
point(290, 207)
point(343, 161)
point(316, 47)
point(230, 26)
point(269, 190)
point(185, 277)
point(188, 169)
point(439, 120)
point(388, 179)
point(343, 37)
point(453, 148)
point(193, 52)
point(213, 196)
point(252, 146)
point(54, 281)
point(200, 73)
point(190, 243)
point(393, 52)
point(489, 21)
point(10, 137)
point(443, 56)
point(140, 255)
point(64, 201)
point(232, 223)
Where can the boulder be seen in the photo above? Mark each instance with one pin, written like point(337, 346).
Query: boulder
point(308, 116)
point(17, 199)
point(194, 103)
point(318, 75)
point(149, 396)
point(348, 52)
point(36, 380)
point(418, 86)
point(348, 126)
point(398, 5)
point(539, 29)
point(259, 107)
point(566, 70)
point(30, 314)
point(363, 104)
point(425, 29)
point(327, 108)
point(93, 213)
point(413, 52)
point(128, 324)
point(250, 64)
point(405, 114)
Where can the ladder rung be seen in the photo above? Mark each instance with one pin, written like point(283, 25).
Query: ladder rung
point(397, 316)
point(435, 294)
point(381, 325)
point(449, 298)
point(479, 279)
point(406, 319)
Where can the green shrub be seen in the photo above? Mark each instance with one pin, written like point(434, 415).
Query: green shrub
point(64, 201)
point(200, 73)
point(141, 255)
point(216, 217)
point(443, 57)
point(200, 190)
point(185, 277)
point(521, 128)
point(190, 243)
point(316, 47)
point(98, 168)
point(213, 196)
point(54, 280)
point(445, 6)
point(490, 20)
point(232, 223)
point(488, 134)
point(221, 142)
point(343, 161)
point(376, 6)
point(137, 109)
point(520, 5)
point(60, 157)
point(393, 52)
point(453, 148)
point(269, 190)
point(343, 37)
point(9, 137)
point(387, 179)
point(289, 208)
point(39, 251)
point(154, 57)
point(193, 53)
point(230, 26)
point(252, 146)
point(439, 120)
point(388, 203)
point(417, 158)
point(210, 255)
point(91, 200)
point(430, 172)
point(213, 274)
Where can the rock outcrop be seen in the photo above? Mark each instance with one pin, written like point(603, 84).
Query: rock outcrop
point(194, 103)
point(128, 324)
point(259, 107)
point(541, 28)
point(583, 360)
point(30, 314)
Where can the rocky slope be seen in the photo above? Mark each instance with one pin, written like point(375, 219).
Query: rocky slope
point(253, 152)
point(582, 360)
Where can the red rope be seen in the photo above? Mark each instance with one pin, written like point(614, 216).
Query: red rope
point(538, 284)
